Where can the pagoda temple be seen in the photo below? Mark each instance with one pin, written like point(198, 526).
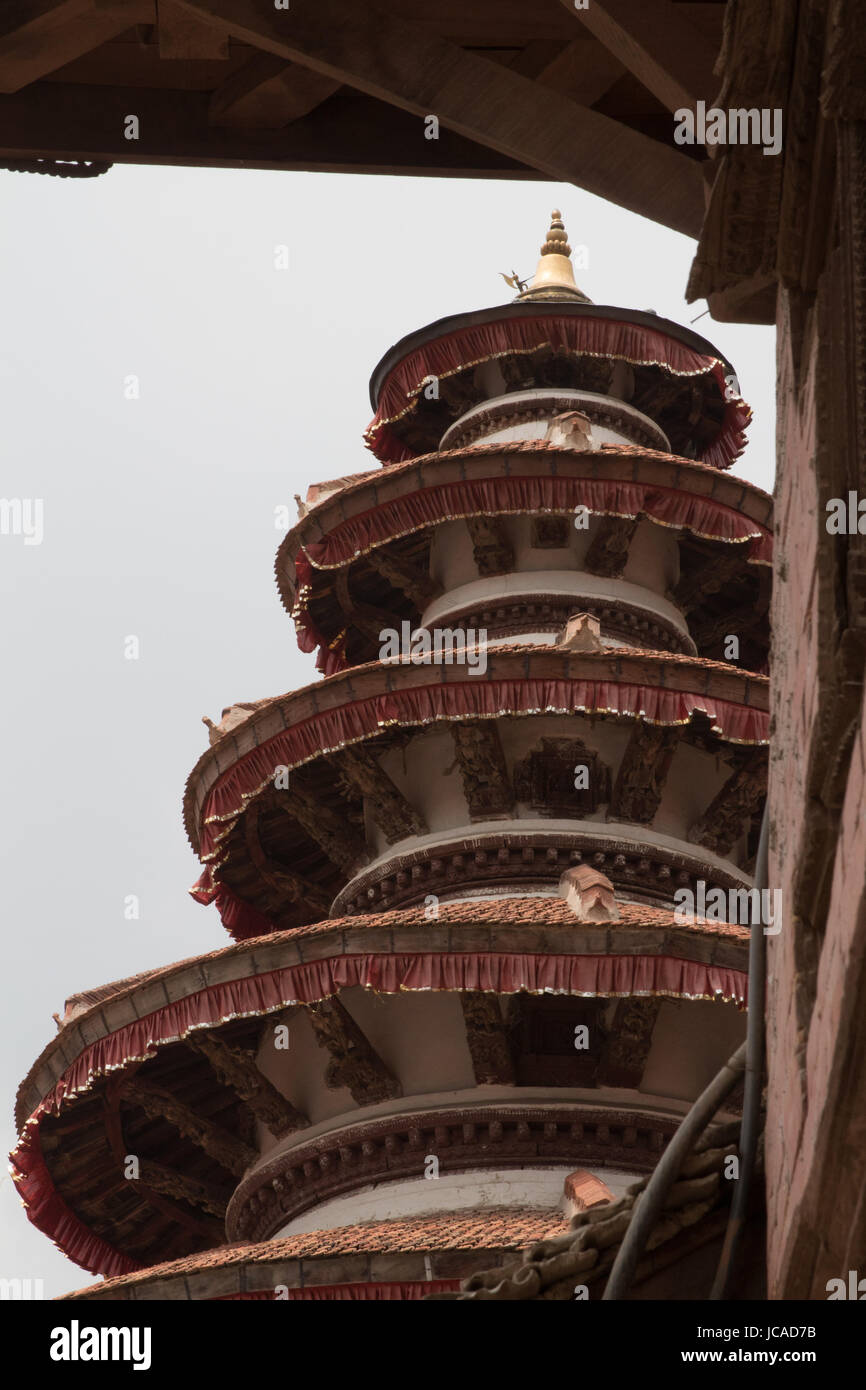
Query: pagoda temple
point(463, 1008)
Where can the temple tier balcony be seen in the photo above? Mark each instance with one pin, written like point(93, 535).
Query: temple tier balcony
point(423, 1073)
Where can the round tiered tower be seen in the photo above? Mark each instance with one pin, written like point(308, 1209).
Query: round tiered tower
point(461, 1005)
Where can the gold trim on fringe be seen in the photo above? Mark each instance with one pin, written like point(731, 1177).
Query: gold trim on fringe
point(541, 511)
point(218, 854)
point(412, 393)
point(96, 1074)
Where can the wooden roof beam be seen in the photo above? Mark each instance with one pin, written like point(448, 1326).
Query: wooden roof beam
point(236, 1068)
point(359, 769)
point(268, 93)
point(707, 577)
point(40, 36)
point(642, 774)
point(415, 583)
point(608, 550)
point(487, 1039)
point(224, 1148)
point(667, 53)
point(627, 1047)
point(169, 1182)
point(182, 35)
point(483, 770)
point(491, 549)
point(730, 812)
point(404, 64)
point(369, 620)
point(332, 833)
point(354, 1062)
point(287, 884)
point(581, 70)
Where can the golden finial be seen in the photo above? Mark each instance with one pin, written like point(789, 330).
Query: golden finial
point(554, 278)
point(557, 242)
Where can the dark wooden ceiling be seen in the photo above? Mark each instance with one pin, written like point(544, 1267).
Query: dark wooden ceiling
point(521, 88)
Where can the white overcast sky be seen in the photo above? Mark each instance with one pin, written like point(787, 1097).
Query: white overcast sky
point(159, 513)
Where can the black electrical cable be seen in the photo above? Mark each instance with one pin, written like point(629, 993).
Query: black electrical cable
point(748, 1058)
point(750, 1127)
point(651, 1202)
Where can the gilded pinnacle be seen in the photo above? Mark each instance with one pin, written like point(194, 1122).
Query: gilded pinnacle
point(554, 277)
point(557, 241)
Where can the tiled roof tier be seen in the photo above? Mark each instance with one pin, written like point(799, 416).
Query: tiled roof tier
point(465, 928)
point(304, 725)
point(658, 352)
point(489, 479)
point(693, 1213)
point(531, 945)
point(325, 533)
point(373, 1253)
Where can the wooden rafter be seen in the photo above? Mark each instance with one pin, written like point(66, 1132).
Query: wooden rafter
point(736, 622)
point(224, 1148)
point(607, 554)
point(354, 1062)
point(402, 574)
point(199, 1226)
point(390, 809)
point(334, 836)
point(483, 770)
point(656, 40)
point(487, 1039)
point(640, 781)
point(707, 578)
point(68, 120)
point(211, 1197)
point(491, 548)
point(740, 621)
point(184, 35)
point(39, 36)
point(580, 70)
point(364, 616)
point(404, 64)
point(286, 884)
point(236, 1068)
point(268, 93)
point(627, 1047)
point(731, 810)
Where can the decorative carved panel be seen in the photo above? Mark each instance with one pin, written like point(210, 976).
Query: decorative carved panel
point(543, 1033)
point(551, 532)
point(545, 779)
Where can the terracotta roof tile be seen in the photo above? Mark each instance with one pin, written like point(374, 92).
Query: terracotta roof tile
point(541, 446)
point(546, 910)
point(490, 1228)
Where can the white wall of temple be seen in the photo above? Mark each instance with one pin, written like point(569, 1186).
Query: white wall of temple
point(577, 586)
point(497, 418)
point(652, 566)
point(427, 771)
point(421, 1038)
point(541, 1188)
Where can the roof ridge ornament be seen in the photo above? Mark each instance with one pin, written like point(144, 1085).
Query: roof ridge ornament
point(590, 894)
point(554, 277)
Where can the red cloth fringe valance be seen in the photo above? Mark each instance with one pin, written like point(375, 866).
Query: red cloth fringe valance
point(331, 730)
point(502, 497)
point(578, 335)
point(589, 976)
